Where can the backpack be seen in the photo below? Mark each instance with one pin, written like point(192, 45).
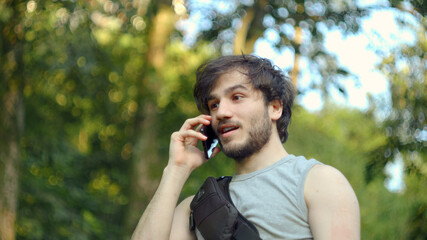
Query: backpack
point(214, 215)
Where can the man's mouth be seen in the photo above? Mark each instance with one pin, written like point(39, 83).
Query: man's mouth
point(227, 129)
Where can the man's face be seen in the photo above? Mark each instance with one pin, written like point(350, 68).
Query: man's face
point(240, 116)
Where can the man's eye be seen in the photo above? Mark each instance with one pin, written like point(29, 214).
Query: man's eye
point(213, 106)
point(237, 97)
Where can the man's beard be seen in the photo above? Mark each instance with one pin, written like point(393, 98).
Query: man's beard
point(259, 135)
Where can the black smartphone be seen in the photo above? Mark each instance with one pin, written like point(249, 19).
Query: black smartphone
point(210, 143)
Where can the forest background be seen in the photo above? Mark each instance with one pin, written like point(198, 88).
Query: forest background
point(92, 89)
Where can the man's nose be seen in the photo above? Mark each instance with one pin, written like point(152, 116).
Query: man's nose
point(224, 110)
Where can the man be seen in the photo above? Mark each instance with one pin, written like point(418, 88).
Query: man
point(248, 103)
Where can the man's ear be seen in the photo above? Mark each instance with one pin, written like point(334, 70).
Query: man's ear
point(275, 109)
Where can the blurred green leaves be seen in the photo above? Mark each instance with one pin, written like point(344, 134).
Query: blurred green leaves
point(91, 90)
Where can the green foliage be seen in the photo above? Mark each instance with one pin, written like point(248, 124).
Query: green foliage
point(405, 126)
point(343, 138)
point(405, 130)
point(298, 26)
point(81, 93)
point(84, 71)
point(64, 198)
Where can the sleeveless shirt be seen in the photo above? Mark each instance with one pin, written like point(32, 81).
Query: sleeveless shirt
point(272, 198)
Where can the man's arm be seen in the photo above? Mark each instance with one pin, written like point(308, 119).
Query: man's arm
point(184, 156)
point(333, 209)
point(181, 222)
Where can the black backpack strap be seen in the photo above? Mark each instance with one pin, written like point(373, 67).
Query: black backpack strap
point(244, 228)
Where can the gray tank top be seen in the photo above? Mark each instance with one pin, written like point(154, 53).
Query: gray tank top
point(273, 198)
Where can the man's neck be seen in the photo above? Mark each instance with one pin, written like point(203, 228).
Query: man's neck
point(272, 152)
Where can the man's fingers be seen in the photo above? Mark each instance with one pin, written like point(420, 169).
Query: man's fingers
point(194, 134)
point(193, 122)
point(182, 135)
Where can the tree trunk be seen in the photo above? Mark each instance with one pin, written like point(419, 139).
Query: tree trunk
point(297, 43)
point(145, 153)
point(242, 33)
point(11, 119)
point(295, 70)
point(251, 29)
point(11, 128)
point(9, 162)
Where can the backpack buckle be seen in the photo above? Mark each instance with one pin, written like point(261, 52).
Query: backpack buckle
point(192, 222)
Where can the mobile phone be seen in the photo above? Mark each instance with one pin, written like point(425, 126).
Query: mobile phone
point(210, 143)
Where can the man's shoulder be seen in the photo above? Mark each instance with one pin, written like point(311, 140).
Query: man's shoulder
point(320, 174)
point(185, 204)
point(301, 164)
point(183, 209)
point(325, 171)
point(329, 195)
point(180, 226)
point(326, 183)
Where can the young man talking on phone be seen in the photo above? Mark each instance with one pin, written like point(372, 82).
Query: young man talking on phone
point(248, 101)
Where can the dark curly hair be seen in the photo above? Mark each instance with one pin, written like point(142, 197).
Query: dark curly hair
point(264, 76)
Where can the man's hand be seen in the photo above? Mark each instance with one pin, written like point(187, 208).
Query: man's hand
point(184, 157)
point(183, 150)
